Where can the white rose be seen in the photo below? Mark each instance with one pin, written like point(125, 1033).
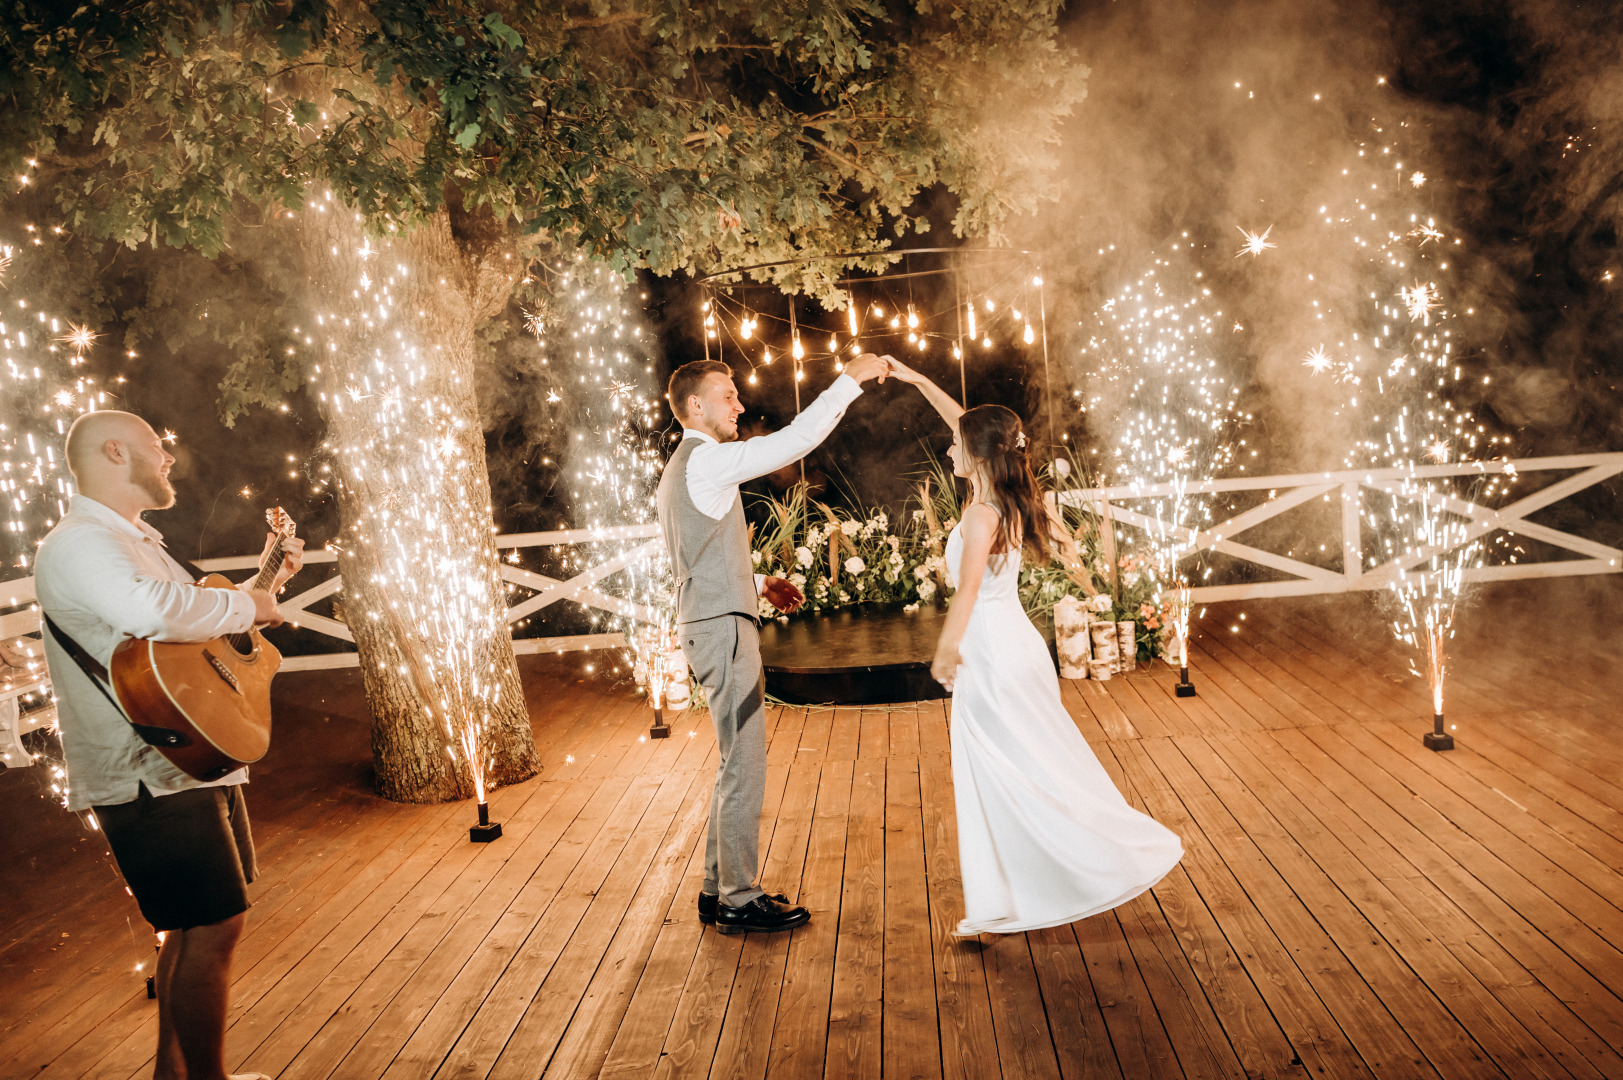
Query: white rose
point(926, 589)
point(921, 571)
point(803, 556)
point(756, 557)
point(855, 565)
point(896, 559)
point(850, 526)
point(797, 580)
point(845, 597)
point(1101, 603)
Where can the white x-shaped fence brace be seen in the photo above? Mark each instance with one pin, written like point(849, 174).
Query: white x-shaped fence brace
point(1349, 488)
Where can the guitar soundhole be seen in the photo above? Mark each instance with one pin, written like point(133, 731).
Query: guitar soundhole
point(241, 644)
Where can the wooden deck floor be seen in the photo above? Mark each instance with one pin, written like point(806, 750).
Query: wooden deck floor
point(1350, 905)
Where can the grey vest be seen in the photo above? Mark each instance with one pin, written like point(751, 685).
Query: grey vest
point(711, 558)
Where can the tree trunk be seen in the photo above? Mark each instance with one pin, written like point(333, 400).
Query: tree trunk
point(423, 593)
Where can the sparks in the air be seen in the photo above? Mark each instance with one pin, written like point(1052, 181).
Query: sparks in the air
point(1255, 243)
point(1421, 300)
point(1418, 179)
point(79, 337)
point(169, 436)
point(1438, 451)
point(1318, 360)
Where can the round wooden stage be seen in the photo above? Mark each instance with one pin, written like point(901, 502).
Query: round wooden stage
point(870, 654)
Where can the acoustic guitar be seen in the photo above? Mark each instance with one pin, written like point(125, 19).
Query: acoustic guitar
point(205, 705)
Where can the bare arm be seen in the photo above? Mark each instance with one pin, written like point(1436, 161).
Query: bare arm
point(949, 409)
point(979, 533)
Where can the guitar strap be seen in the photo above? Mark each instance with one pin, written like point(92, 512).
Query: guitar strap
point(152, 736)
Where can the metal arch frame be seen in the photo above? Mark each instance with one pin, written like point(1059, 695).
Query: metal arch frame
point(1349, 486)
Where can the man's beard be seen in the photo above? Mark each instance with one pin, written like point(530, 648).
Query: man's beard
point(154, 484)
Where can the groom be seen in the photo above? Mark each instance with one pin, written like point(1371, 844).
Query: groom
point(702, 516)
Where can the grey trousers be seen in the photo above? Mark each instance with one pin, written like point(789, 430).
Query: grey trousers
point(725, 653)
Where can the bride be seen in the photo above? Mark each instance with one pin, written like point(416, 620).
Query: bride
point(1044, 837)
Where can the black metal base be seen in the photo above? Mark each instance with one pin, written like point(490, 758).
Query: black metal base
point(152, 988)
point(1184, 689)
point(484, 834)
point(1436, 740)
point(660, 729)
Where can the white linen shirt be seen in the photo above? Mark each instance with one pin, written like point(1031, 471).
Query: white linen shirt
point(103, 579)
point(715, 469)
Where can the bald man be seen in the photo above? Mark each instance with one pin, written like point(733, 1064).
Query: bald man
point(183, 846)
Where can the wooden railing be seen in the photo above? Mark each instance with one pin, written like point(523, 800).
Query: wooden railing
point(19, 594)
point(1348, 490)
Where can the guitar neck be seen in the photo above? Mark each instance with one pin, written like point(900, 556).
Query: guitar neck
point(272, 565)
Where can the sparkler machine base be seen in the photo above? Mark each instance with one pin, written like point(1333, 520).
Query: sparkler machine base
point(870, 654)
point(1437, 738)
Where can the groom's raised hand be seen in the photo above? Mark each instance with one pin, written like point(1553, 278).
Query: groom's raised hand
point(868, 366)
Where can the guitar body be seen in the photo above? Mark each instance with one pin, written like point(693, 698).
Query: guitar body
point(204, 705)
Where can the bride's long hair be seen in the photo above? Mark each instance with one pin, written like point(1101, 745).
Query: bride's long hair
point(995, 442)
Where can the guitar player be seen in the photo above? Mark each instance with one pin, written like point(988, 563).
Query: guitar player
point(184, 847)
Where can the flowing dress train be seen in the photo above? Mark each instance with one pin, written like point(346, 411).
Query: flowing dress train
point(1044, 837)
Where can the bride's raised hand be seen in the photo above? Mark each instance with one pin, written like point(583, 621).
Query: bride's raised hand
point(901, 371)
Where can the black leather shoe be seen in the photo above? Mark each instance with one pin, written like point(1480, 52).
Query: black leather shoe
point(763, 915)
point(708, 903)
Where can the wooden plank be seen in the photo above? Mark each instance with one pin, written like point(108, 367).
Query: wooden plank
point(690, 1045)
point(1588, 924)
point(1320, 1045)
point(1081, 715)
point(800, 1031)
point(550, 908)
point(843, 735)
point(326, 1025)
point(1385, 844)
point(1504, 905)
point(745, 1043)
point(912, 1038)
point(855, 1008)
point(1379, 1036)
point(1499, 1031)
point(968, 1040)
point(1374, 937)
point(563, 997)
point(1144, 721)
point(874, 741)
point(637, 1042)
point(1025, 1046)
point(1075, 1018)
point(1106, 712)
point(904, 731)
point(1141, 1043)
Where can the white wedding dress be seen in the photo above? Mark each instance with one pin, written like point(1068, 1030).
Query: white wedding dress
point(1044, 837)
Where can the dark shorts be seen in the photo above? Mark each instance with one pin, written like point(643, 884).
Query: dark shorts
point(187, 857)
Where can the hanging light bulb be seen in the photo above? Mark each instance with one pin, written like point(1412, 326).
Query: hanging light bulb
point(912, 337)
point(833, 343)
point(1030, 337)
point(798, 351)
point(1037, 281)
point(1016, 313)
point(766, 356)
point(799, 374)
point(746, 328)
point(851, 317)
point(752, 379)
point(989, 305)
point(921, 344)
point(878, 312)
point(986, 343)
point(971, 307)
point(912, 319)
point(957, 353)
point(894, 323)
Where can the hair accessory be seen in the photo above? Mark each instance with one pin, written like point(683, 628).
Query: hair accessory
point(1020, 440)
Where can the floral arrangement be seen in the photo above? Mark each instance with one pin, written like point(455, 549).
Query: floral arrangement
point(838, 558)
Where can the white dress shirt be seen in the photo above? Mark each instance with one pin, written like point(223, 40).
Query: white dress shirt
point(103, 579)
point(715, 469)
